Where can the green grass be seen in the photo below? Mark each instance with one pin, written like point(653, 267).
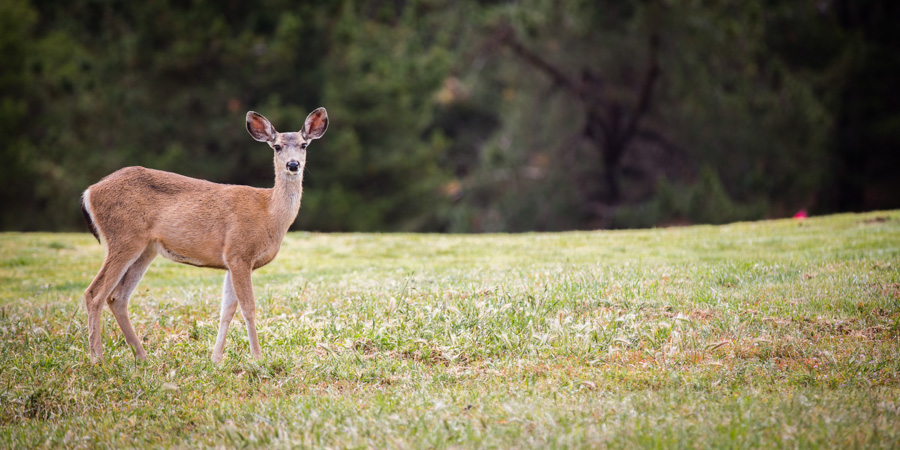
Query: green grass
point(772, 334)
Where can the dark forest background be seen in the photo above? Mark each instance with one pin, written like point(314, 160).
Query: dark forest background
point(462, 116)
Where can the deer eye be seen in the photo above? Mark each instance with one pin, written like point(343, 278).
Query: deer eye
point(277, 147)
point(302, 145)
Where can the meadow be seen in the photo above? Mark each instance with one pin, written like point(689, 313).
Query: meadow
point(780, 333)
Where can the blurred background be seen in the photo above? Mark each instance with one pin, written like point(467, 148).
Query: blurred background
point(459, 115)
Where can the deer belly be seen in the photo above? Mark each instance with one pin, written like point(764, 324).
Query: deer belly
point(265, 257)
point(184, 257)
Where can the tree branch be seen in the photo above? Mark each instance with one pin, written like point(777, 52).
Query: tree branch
point(651, 74)
point(660, 140)
point(506, 36)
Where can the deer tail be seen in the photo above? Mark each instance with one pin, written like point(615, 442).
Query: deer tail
point(86, 210)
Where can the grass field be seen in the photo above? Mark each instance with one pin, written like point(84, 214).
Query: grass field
point(772, 334)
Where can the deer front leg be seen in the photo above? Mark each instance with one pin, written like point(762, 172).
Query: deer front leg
point(229, 306)
point(240, 279)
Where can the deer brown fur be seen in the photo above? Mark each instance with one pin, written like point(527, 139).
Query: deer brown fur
point(142, 212)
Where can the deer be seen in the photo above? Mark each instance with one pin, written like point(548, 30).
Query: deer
point(141, 213)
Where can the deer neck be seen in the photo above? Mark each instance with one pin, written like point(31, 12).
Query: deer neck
point(285, 201)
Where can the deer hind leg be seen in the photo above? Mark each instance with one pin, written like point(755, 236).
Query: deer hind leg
point(118, 260)
point(118, 300)
point(229, 306)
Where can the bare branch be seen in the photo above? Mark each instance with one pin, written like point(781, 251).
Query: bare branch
point(651, 74)
point(505, 35)
point(660, 140)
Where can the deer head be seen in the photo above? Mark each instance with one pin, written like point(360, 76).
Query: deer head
point(290, 148)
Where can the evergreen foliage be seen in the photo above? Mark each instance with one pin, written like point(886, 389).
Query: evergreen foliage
point(461, 115)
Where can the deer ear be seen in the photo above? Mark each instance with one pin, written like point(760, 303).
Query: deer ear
point(316, 124)
point(260, 127)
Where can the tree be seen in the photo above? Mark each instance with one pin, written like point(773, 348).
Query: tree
point(624, 96)
point(96, 86)
point(461, 115)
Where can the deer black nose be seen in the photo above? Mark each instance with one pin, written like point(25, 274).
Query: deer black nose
point(293, 166)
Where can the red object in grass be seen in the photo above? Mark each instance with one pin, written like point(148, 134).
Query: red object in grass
point(800, 214)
